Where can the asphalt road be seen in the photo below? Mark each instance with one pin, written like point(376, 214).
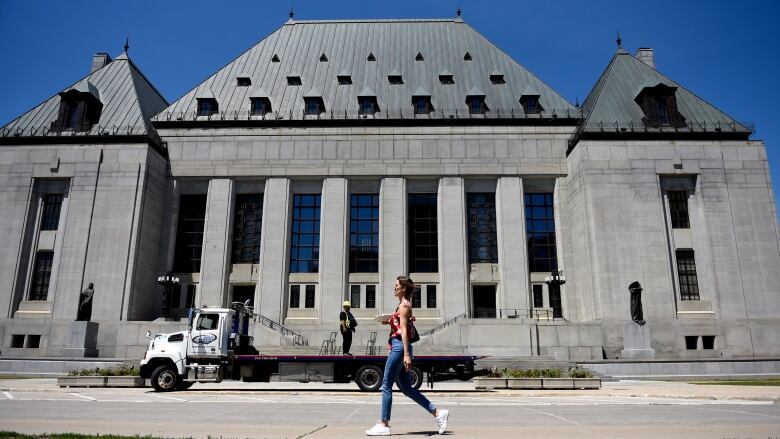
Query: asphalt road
point(347, 414)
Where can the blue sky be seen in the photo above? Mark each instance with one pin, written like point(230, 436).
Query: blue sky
point(724, 51)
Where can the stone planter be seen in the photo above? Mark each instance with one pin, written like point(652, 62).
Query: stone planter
point(587, 383)
point(100, 381)
point(557, 383)
point(524, 383)
point(489, 383)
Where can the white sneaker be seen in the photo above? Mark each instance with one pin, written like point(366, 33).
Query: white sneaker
point(441, 420)
point(379, 430)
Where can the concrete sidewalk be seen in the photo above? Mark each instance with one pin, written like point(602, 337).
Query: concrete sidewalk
point(627, 388)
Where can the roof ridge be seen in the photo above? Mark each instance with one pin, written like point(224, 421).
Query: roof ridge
point(376, 20)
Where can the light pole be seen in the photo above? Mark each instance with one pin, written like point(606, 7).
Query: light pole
point(168, 281)
point(554, 282)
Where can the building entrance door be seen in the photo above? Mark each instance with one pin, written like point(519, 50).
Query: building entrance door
point(242, 293)
point(483, 301)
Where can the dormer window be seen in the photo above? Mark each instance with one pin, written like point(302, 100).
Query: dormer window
point(659, 105)
point(243, 81)
point(260, 106)
point(422, 104)
point(446, 79)
point(323, 58)
point(530, 104)
point(294, 81)
point(467, 57)
point(275, 58)
point(476, 104)
point(313, 106)
point(371, 57)
point(497, 79)
point(395, 79)
point(419, 57)
point(207, 106)
point(344, 79)
point(368, 105)
point(79, 110)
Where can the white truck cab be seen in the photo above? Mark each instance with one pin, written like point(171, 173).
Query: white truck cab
point(175, 361)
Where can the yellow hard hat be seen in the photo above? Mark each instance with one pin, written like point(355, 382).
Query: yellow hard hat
point(346, 303)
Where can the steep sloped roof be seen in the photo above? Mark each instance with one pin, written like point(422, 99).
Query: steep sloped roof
point(129, 103)
point(611, 105)
point(347, 43)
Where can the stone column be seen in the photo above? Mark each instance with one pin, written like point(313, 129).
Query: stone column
point(392, 240)
point(274, 249)
point(217, 231)
point(333, 247)
point(512, 253)
point(453, 262)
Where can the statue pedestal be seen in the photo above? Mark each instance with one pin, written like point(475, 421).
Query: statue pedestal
point(82, 341)
point(636, 342)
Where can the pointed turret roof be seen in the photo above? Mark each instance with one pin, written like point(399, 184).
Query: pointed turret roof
point(129, 103)
point(611, 106)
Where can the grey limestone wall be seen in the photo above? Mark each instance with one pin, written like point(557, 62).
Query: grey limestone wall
point(616, 215)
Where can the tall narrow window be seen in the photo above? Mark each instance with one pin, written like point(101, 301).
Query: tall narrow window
point(540, 231)
point(686, 271)
point(310, 296)
point(364, 233)
point(423, 234)
point(354, 296)
point(422, 104)
point(247, 224)
point(538, 295)
point(39, 289)
point(417, 297)
point(52, 204)
point(678, 209)
point(295, 296)
point(313, 105)
point(189, 234)
point(305, 247)
point(430, 295)
point(481, 211)
point(370, 296)
point(662, 108)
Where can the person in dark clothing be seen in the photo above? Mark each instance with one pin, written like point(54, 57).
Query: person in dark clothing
point(347, 325)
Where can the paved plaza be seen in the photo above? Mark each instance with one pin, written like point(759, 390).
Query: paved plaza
point(291, 410)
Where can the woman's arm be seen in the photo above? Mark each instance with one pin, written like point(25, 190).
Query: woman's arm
point(405, 312)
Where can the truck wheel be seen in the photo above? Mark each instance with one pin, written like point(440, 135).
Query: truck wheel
point(165, 378)
point(369, 378)
point(416, 377)
point(184, 385)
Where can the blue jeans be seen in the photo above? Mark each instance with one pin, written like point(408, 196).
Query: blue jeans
point(394, 372)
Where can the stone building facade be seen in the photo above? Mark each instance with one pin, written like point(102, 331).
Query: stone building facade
point(309, 171)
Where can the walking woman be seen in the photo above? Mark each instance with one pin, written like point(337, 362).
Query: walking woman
point(399, 362)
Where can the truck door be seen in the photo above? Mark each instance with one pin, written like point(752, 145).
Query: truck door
point(206, 335)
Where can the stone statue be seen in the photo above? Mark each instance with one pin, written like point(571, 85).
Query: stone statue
point(85, 304)
point(636, 302)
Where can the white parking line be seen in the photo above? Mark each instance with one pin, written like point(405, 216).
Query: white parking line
point(166, 397)
point(8, 395)
point(83, 396)
point(249, 398)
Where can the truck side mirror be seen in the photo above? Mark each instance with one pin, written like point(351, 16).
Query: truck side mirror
point(149, 335)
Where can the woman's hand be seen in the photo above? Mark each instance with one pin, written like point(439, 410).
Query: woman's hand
point(407, 363)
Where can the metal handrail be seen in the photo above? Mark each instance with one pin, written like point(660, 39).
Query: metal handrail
point(298, 339)
point(444, 325)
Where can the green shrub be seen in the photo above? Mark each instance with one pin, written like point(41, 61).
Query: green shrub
point(533, 373)
point(124, 370)
point(579, 372)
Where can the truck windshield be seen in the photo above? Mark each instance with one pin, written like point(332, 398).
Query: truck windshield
point(207, 321)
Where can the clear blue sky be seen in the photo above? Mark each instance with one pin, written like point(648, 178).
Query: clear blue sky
point(727, 52)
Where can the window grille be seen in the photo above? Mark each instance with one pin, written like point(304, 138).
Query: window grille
point(686, 272)
point(540, 232)
point(52, 204)
point(189, 233)
point(481, 211)
point(678, 209)
point(39, 290)
point(247, 225)
point(305, 246)
point(423, 233)
point(364, 233)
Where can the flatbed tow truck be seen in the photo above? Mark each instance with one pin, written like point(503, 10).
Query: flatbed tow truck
point(217, 347)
